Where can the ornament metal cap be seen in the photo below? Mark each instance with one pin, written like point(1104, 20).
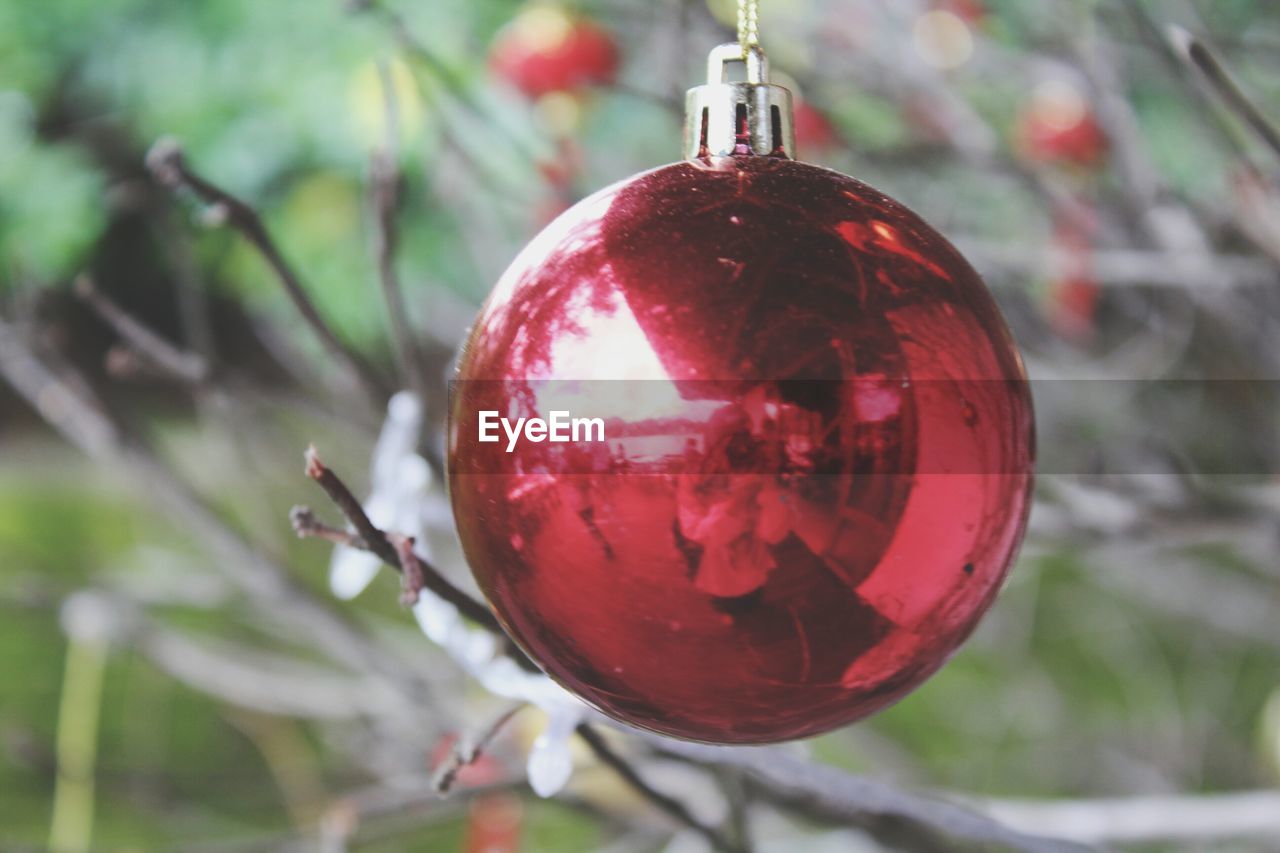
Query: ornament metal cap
point(724, 118)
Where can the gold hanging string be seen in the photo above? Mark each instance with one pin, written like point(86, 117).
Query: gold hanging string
point(748, 25)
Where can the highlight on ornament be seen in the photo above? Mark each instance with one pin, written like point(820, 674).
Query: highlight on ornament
point(820, 437)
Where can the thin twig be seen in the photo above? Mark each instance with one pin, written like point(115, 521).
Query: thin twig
point(250, 679)
point(125, 362)
point(829, 794)
point(168, 164)
point(739, 797)
point(193, 301)
point(380, 545)
point(86, 424)
point(1186, 76)
point(665, 803)
point(412, 571)
point(1194, 52)
point(1135, 820)
point(344, 817)
point(451, 81)
point(307, 526)
point(1251, 213)
point(467, 750)
point(384, 190)
point(80, 418)
point(1121, 267)
point(179, 363)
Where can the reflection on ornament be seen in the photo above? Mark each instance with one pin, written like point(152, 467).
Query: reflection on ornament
point(819, 439)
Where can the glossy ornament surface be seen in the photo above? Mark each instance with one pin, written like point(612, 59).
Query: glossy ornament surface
point(817, 462)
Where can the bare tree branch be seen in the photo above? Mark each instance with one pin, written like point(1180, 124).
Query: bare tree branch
point(1185, 74)
point(739, 798)
point(82, 420)
point(181, 364)
point(249, 679)
point(380, 545)
point(87, 425)
point(1207, 817)
point(829, 794)
point(168, 164)
point(670, 806)
point(1194, 52)
point(1124, 267)
point(412, 571)
point(307, 526)
point(193, 301)
point(384, 189)
point(397, 551)
point(452, 83)
point(346, 815)
point(468, 749)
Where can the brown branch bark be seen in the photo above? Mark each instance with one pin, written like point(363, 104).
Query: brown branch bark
point(670, 806)
point(1196, 54)
point(457, 88)
point(384, 189)
point(180, 364)
point(412, 572)
point(469, 749)
point(831, 795)
point(379, 544)
point(168, 164)
point(307, 526)
point(85, 423)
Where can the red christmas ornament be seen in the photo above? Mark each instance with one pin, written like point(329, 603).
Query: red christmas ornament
point(818, 446)
point(545, 50)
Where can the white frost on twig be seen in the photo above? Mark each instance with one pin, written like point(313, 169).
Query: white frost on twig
point(476, 652)
point(400, 501)
point(401, 480)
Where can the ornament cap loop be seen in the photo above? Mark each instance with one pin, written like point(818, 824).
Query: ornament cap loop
point(727, 118)
point(755, 60)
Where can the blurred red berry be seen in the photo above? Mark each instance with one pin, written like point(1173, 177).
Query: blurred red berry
point(494, 822)
point(545, 49)
point(1058, 126)
point(484, 770)
point(814, 131)
point(1072, 304)
point(972, 12)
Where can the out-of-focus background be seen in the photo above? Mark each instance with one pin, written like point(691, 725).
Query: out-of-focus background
point(1112, 176)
